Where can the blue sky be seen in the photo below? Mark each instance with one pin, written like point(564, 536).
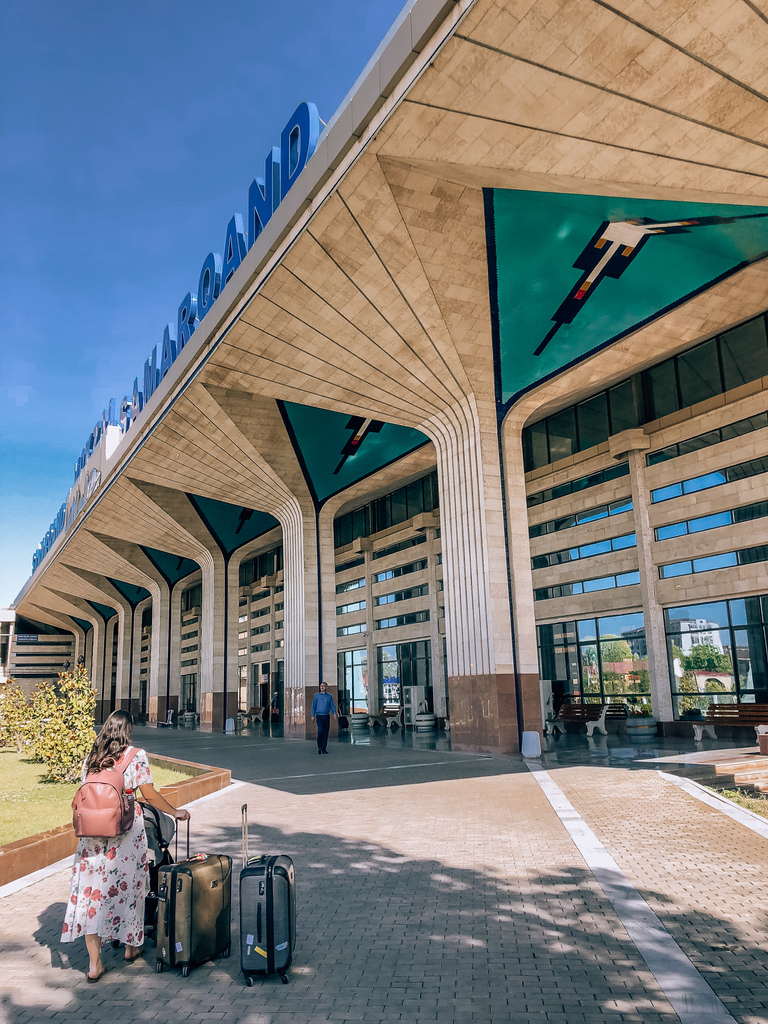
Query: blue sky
point(128, 137)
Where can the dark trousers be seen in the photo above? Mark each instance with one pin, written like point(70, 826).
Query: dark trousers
point(323, 726)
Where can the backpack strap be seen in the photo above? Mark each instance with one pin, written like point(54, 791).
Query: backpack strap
point(125, 759)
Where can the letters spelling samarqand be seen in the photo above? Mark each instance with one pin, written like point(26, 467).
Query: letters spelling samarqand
point(281, 169)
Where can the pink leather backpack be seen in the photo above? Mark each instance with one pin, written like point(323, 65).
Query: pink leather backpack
point(102, 806)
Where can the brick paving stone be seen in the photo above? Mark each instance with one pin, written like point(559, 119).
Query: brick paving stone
point(436, 899)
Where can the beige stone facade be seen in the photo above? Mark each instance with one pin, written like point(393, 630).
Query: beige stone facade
point(369, 295)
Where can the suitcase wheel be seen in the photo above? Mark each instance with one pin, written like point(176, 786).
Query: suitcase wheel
point(159, 967)
point(226, 952)
point(185, 971)
point(249, 981)
point(284, 978)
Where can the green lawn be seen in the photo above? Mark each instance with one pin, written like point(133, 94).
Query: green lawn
point(29, 806)
point(757, 803)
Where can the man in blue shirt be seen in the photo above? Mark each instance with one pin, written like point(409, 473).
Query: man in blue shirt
point(322, 709)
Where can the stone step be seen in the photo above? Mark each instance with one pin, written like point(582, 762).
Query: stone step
point(729, 767)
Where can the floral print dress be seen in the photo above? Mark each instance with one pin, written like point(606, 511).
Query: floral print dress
point(110, 877)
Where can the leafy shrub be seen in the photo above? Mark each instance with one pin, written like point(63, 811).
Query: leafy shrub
point(68, 734)
point(43, 721)
point(14, 715)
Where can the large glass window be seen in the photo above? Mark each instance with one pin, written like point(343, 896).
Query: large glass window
point(717, 654)
point(660, 390)
point(352, 679)
point(699, 374)
point(408, 664)
point(623, 410)
point(192, 598)
point(265, 564)
point(397, 507)
point(597, 659)
point(188, 695)
point(710, 368)
point(744, 353)
point(592, 419)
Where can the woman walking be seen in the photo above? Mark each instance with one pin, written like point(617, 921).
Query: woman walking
point(110, 876)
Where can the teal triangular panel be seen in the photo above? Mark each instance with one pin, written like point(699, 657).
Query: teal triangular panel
point(105, 612)
point(173, 567)
point(130, 591)
point(574, 273)
point(232, 525)
point(337, 450)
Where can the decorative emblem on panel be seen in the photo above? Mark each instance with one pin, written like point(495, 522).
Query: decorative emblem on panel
point(610, 252)
point(561, 287)
point(360, 428)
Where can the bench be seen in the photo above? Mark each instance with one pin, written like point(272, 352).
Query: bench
point(730, 714)
point(591, 715)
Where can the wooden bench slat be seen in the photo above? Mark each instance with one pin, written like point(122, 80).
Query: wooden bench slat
point(737, 714)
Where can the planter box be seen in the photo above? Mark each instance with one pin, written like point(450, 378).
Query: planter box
point(27, 855)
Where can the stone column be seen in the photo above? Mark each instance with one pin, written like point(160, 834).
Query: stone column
point(521, 578)
point(302, 629)
point(484, 693)
point(632, 444)
point(138, 615)
point(169, 685)
point(124, 654)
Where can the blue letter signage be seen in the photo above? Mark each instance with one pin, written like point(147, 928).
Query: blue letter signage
point(281, 169)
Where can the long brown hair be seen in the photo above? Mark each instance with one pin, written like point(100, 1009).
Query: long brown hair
point(111, 743)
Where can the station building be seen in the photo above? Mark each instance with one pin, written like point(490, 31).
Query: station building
point(481, 407)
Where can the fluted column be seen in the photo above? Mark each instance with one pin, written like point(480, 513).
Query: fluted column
point(483, 689)
point(302, 630)
point(520, 574)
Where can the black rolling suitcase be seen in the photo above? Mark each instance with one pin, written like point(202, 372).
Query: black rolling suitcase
point(193, 915)
point(160, 829)
point(267, 913)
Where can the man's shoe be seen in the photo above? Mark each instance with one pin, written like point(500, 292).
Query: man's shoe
point(319, 751)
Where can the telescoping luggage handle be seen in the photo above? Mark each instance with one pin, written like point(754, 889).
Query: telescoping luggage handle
point(244, 811)
point(177, 842)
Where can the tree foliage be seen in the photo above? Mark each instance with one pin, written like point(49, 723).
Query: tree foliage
point(707, 658)
point(56, 725)
point(14, 715)
point(68, 737)
point(615, 650)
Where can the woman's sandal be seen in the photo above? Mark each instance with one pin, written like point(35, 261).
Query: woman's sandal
point(136, 955)
point(92, 981)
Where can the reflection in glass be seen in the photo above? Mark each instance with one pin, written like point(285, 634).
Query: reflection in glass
point(592, 418)
point(699, 374)
point(697, 616)
point(562, 434)
point(744, 353)
point(352, 681)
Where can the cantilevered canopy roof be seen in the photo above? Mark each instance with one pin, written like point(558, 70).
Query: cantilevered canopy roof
point(370, 296)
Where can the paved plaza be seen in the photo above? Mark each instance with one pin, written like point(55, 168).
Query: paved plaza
point(442, 886)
